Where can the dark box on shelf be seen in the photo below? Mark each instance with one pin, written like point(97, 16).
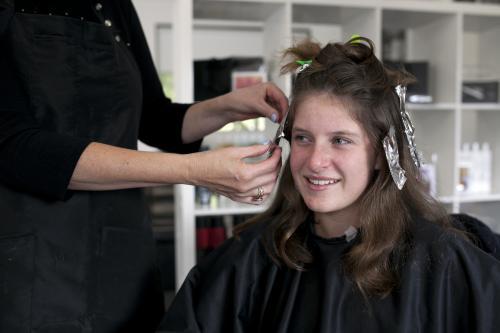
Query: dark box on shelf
point(480, 92)
point(417, 92)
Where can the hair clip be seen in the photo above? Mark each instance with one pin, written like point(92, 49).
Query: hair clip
point(355, 39)
point(303, 65)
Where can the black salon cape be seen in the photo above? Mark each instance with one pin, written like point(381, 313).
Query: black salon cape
point(447, 285)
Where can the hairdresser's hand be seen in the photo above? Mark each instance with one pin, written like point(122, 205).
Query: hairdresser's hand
point(260, 100)
point(225, 171)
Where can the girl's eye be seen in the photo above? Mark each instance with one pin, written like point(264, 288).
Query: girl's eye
point(341, 141)
point(300, 138)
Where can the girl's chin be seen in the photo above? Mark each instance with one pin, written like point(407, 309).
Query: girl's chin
point(318, 207)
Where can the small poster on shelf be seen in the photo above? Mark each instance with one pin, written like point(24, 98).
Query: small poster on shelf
point(242, 79)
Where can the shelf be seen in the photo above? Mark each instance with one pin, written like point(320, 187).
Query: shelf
point(234, 10)
point(338, 3)
point(227, 25)
point(436, 6)
point(445, 200)
point(229, 209)
point(443, 6)
point(471, 198)
point(480, 9)
point(430, 107)
point(480, 106)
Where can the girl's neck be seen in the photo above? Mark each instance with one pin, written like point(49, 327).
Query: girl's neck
point(331, 225)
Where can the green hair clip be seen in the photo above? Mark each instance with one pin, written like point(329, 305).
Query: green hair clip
point(355, 39)
point(303, 64)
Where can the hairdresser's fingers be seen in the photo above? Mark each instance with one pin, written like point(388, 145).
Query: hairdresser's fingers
point(254, 200)
point(266, 179)
point(258, 202)
point(264, 99)
point(276, 99)
point(223, 170)
point(252, 151)
point(259, 190)
point(268, 165)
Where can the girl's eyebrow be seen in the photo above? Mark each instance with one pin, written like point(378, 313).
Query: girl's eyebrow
point(339, 132)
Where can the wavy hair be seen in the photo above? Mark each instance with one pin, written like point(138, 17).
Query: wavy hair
point(351, 71)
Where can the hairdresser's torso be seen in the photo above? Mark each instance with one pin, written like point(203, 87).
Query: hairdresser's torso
point(85, 264)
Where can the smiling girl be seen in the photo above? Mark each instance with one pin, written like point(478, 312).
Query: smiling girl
point(351, 242)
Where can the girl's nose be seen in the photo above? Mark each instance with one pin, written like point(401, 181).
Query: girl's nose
point(318, 159)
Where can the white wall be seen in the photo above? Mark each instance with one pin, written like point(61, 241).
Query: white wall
point(151, 13)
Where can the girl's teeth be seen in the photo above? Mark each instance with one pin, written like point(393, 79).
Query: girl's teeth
point(321, 182)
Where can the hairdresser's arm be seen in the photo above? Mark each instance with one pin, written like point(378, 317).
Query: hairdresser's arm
point(104, 167)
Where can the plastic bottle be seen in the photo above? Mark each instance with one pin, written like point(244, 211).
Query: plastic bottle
point(428, 175)
point(486, 164)
point(464, 165)
point(203, 193)
point(475, 176)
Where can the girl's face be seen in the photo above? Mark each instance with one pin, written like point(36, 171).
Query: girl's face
point(331, 158)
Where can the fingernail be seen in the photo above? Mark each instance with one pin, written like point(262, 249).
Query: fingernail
point(274, 117)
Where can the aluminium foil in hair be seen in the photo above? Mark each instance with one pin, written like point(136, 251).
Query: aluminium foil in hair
point(408, 126)
point(392, 156)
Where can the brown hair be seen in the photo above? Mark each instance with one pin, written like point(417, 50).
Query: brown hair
point(352, 72)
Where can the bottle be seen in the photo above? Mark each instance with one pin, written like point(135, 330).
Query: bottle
point(428, 175)
point(464, 166)
point(433, 175)
point(486, 164)
point(475, 175)
point(214, 201)
point(202, 236)
point(202, 194)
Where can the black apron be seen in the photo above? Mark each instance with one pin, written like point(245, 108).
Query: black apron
point(86, 264)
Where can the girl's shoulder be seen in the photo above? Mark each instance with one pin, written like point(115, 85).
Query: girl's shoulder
point(458, 245)
point(241, 252)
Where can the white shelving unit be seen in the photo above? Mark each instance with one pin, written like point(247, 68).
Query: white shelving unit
point(452, 37)
point(235, 209)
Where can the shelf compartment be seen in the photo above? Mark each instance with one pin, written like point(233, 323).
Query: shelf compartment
point(429, 37)
point(483, 126)
point(480, 52)
point(334, 23)
point(434, 134)
point(269, 36)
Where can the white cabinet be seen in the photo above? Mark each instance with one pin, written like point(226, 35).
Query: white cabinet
point(460, 41)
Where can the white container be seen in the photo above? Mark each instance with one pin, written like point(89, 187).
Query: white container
point(486, 167)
